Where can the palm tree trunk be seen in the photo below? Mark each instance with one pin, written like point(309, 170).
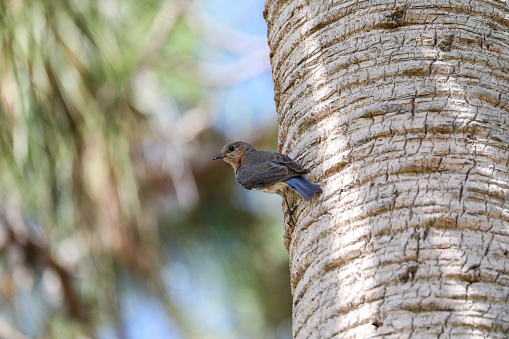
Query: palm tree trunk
point(401, 112)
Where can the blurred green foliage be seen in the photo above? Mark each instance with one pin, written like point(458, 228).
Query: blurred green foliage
point(106, 180)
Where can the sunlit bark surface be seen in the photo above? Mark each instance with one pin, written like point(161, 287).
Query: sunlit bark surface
point(401, 112)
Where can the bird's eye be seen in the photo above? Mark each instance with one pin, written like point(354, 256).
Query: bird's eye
point(231, 148)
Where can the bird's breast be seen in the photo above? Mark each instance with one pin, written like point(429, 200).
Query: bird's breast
point(273, 188)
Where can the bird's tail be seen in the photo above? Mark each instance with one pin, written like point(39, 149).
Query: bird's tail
point(305, 188)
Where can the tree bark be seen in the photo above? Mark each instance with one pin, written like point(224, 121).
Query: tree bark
point(400, 109)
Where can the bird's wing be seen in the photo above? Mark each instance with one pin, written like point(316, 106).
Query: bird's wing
point(265, 168)
point(262, 175)
point(288, 162)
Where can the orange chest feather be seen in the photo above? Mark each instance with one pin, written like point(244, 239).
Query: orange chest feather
point(235, 162)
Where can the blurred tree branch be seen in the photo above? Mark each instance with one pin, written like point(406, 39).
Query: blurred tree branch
point(70, 127)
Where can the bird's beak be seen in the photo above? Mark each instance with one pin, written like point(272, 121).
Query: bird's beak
point(219, 156)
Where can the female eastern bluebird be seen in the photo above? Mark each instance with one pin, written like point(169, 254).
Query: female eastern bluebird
point(266, 171)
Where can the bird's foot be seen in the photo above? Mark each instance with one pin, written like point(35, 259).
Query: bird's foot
point(289, 212)
point(290, 224)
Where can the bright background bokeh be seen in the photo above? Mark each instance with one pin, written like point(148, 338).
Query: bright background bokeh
point(114, 220)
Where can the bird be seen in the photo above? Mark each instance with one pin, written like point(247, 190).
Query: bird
point(266, 171)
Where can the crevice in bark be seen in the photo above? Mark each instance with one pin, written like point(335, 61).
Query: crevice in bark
point(409, 273)
point(393, 20)
point(445, 43)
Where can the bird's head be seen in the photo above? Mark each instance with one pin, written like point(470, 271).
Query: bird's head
point(233, 152)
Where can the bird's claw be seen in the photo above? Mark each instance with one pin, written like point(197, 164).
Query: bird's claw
point(294, 208)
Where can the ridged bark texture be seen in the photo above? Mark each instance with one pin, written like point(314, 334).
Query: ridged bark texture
point(400, 109)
